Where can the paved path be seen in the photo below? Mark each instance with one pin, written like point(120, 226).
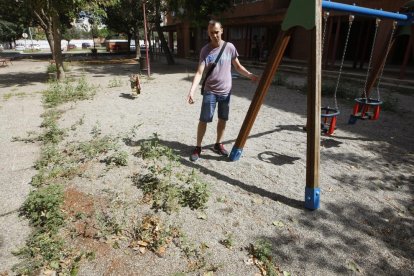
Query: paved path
point(20, 110)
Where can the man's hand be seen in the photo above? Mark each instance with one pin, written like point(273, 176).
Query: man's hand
point(253, 77)
point(190, 97)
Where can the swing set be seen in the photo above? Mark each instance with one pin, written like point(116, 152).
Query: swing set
point(308, 14)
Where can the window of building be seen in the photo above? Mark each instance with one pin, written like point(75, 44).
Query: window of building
point(236, 33)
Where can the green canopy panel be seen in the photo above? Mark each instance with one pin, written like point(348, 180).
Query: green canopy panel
point(300, 13)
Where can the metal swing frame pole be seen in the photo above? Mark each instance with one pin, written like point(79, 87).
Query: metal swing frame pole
point(353, 9)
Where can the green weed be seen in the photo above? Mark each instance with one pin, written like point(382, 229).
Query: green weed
point(79, 122)
point(51, 68)
point(50, 117)
point(43, 208)
point(7, 96)
point(262, 251)
point(21, 95)
point(31, 138)
point(49, 155)
point(53, 134)
point(196, 195)
point(42, 249)
point(152, 149)
point(96, 146)
point(228, 241)
point(119, 158)
point(62, 92)
point(96, 130)
point(168, 193)
point(115, 82)
point(130, 137)
point(109, 224)
point(194, 254)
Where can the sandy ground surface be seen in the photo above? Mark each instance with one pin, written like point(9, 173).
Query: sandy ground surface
point(364, 225)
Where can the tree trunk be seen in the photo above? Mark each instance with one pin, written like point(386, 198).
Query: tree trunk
point(164, 45)
point(137, 45)
point(49, 37)
point(129, 43)
point(51, 26)
point(57, 53)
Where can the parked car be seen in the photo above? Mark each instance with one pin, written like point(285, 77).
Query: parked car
point(71, 46)
point(1, 48)
point(20, 47)
point(86, 45)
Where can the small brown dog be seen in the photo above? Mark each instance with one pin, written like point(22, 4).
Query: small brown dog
point(135, 85)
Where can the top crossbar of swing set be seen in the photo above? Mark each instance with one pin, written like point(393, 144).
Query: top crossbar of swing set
point(353, 9)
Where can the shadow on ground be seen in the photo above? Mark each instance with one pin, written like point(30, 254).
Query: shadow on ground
point(358, 222)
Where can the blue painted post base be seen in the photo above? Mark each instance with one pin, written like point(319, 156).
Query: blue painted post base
point(235, 153)
point(312, 197)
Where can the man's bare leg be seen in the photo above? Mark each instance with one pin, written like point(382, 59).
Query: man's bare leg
point(201, 130)
point(221, 126)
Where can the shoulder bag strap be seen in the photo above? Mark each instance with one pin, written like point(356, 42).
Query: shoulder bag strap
point(212, 67)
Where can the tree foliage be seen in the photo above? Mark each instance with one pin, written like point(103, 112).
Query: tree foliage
point(54, 16)
point(198, 12)
point(12, 21)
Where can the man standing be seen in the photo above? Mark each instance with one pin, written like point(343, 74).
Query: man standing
point(217, 86)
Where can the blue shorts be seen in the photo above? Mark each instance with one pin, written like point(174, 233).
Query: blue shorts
point(209, 105)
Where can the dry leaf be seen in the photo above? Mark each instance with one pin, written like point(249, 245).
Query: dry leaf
point(142, 243)
point(249, 261)
point(161, 250)
point(278, 223)
point(202, 216)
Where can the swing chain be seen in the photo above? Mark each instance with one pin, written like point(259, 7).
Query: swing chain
point(325, 19)
point(394, 27)
point(350, 21)
point(377, 22)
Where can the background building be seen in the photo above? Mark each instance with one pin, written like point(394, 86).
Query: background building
point(253, 26)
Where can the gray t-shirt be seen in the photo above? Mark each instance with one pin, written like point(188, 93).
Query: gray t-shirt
point(220, 81)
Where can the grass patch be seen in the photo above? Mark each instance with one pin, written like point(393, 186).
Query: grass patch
point(115, 82)
point(51, 68)
point(62, 92)
point(7, 96)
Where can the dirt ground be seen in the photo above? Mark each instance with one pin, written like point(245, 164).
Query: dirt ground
point(363, 227)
